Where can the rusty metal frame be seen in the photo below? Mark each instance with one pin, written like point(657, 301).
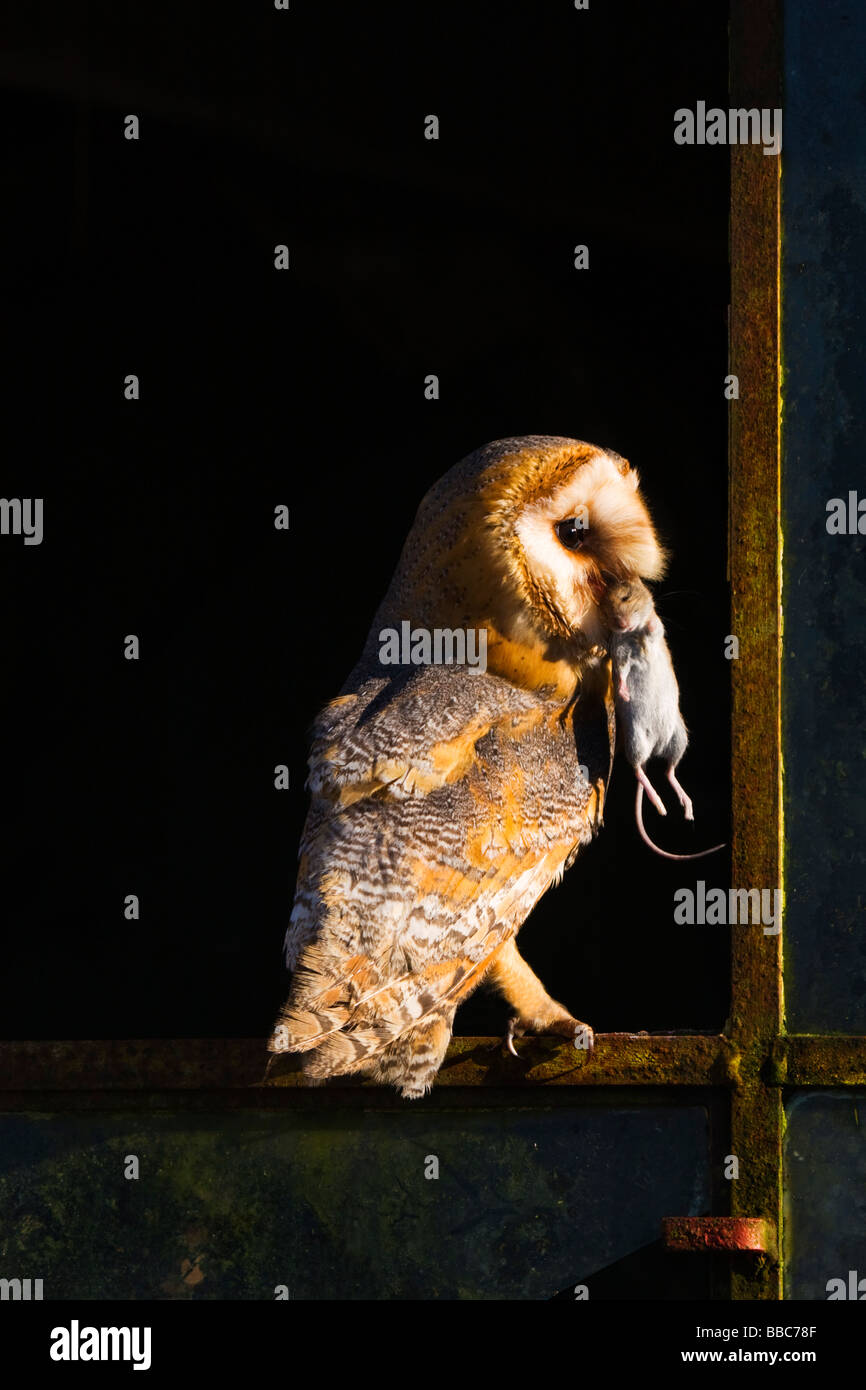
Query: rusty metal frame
point(223, 1064)
point(754, 1061)
point(757, 1017)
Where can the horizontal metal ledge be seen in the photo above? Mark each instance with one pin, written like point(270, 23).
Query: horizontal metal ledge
point(819, 1059)
point(201, 1064)
point(618, 1059)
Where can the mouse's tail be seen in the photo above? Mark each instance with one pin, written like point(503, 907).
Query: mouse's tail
point(665, 854)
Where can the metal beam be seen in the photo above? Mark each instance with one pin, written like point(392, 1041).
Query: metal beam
point(202, 1064)
point(755, 565)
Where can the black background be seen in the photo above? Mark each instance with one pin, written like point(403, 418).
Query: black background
point(307, 388)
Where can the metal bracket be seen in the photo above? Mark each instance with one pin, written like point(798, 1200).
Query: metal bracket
point(732, 1235)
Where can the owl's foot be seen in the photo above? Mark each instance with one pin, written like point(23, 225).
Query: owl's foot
point(565, 1027)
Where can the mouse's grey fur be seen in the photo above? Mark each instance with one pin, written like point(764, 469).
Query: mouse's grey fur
point(647, 697)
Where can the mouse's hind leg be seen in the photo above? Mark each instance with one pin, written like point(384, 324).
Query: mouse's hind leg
point(650, 790)
point(685, 799)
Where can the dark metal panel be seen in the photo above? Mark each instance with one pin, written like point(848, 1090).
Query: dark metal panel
point(824, 666)
point(825, 1194)
point(336, 1205)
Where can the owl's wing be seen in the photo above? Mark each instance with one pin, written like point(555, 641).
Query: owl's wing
point(409, 734)
point(444, 805)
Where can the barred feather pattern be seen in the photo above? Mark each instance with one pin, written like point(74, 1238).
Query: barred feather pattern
point(406, 894)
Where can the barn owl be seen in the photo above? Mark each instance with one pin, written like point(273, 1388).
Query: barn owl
point(448, 797)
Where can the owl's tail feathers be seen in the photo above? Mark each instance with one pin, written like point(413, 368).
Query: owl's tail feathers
point(411, 1061)
point(346, 1019)
point(325, 990)
point(385, 1015)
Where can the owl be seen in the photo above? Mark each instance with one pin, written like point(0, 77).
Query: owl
point(449, 792)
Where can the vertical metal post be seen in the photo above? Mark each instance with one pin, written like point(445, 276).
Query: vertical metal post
point(756, 553)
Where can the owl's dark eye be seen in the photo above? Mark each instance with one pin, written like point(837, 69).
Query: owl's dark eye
point(570, 533)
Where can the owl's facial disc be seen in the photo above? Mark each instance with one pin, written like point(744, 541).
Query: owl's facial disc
point(594, 524)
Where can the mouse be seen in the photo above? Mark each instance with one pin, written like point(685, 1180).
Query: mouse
point(646, 697)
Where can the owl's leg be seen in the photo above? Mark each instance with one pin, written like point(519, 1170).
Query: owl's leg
point(411, 1062)
point(536, 1011)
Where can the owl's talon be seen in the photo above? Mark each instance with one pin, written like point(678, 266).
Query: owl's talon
point(580, 1033)
point(513, 1032)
